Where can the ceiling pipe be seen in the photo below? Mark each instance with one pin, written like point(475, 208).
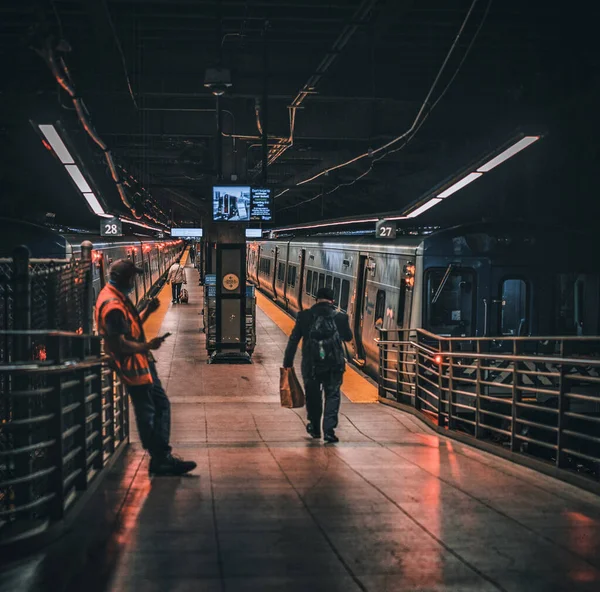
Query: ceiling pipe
point(341, 41)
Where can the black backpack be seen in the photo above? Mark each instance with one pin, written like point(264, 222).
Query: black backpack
point(326, 352)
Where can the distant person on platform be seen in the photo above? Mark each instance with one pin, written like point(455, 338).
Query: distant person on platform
point(192, 255)
point(176, 278)
point(121, 325)
point(322, 329)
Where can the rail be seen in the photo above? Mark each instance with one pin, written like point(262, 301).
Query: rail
point(533, 397)
point(63, 419)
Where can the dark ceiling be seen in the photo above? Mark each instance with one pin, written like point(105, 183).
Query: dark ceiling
point(351, 75)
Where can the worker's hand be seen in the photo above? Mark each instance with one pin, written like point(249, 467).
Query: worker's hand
point(153, 305)
point(155, 343)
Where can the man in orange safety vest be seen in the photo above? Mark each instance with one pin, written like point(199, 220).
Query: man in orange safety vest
point(121, 325)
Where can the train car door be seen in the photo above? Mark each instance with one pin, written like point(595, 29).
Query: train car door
point(274, 276)
point(301, 278)
point(509, 309)
point(359, 307)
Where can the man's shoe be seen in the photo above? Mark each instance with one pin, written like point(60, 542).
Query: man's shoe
point(173, 301)
point(331, 438)
point(171, 465)
point(312, 431)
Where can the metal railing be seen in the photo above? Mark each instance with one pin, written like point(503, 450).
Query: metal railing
point(63, 417)
point(536, 397)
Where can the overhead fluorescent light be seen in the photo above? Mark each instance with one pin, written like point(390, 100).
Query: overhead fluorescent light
point(253, 233)
point(78, 177)
point(460, 184)
point(434, 201)
point(94, 204)
point(104, 215)
point(514, 149)
point(57, 144)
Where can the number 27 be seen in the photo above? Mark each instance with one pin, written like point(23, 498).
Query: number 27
point(385, 231)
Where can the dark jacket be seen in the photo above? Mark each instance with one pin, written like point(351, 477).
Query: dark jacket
point(302, 328)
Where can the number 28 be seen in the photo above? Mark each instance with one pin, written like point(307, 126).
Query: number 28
point(110, 228)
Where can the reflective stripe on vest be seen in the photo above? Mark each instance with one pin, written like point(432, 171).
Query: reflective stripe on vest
point(134, 369)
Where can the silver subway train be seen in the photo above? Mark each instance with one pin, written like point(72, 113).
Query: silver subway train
point(475, 280)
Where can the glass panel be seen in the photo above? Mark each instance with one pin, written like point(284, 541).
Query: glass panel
point(309, 274)
point(380, 308)
point(336, 290)
point(315, 283)
point(345, 297)
point(513, 317)
point(452, 313)
point(321, 280)
point(328, 281)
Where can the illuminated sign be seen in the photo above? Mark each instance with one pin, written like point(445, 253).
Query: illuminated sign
point(186, 232)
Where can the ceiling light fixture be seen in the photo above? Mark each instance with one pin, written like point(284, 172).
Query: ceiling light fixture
point(459, 184)
point(434, 201)
point(508, 153)
point(57, 144)
point(95, 204)
point(78, 178)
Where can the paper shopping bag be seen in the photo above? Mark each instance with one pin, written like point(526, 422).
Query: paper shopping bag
point(290, 389)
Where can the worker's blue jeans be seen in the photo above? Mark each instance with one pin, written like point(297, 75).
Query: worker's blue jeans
point(152, 415)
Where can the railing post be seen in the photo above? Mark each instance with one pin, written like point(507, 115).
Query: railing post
point(563, 407)
point(440, 370)
point(451, 395)
point(86, 259)
point(478, 392)
point(417, 366)
point(516, 399)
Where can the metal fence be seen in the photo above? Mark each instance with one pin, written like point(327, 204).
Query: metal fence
point(536, 397)
point(63, 411)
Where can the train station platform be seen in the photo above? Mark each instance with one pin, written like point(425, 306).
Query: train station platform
point(392, 507)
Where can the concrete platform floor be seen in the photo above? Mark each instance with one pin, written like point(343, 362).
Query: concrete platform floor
point(392, 507)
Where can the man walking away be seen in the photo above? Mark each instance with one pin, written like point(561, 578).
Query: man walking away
point(322, 330)
point(121, 325)
point(176, 277)
point(192, 255)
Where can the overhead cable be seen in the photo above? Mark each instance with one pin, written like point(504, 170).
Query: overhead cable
point(420, 118)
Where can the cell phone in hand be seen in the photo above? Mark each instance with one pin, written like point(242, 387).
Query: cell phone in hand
point(163, 337)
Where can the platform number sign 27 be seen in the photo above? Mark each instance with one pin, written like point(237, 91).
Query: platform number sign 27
point(385, 229)
point(112, 227)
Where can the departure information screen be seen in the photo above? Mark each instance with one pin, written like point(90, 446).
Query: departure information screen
point(261, 206)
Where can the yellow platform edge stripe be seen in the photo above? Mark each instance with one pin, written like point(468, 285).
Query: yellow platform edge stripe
point(154, 323)
point(356, 387)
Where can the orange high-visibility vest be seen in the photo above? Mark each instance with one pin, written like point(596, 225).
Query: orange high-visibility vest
point(134, 369)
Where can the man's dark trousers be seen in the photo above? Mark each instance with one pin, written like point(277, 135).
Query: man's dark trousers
point(153, 415)
point(176, 291)
point(330, 383)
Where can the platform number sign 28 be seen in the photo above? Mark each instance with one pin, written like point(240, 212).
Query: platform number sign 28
point(385, 229)
point(112, 227)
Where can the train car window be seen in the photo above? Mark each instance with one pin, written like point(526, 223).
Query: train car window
point(452, 313)
point(336, 290)
point(309, 275)
point(328, 281)
point(280, 272)
point(379, 308)
point(321, 280)
point(345, 295)
point(291, 280)
point(315, 283)
point(401, 303)
point(513, 314)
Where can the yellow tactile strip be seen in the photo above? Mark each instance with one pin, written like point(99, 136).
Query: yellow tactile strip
point(154, 323)
point(357, 388)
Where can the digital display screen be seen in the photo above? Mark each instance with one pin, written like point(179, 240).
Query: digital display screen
point(253, 233)
point(237, 203)
point(231, 203)
point(186, 232)
point(261, 208)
